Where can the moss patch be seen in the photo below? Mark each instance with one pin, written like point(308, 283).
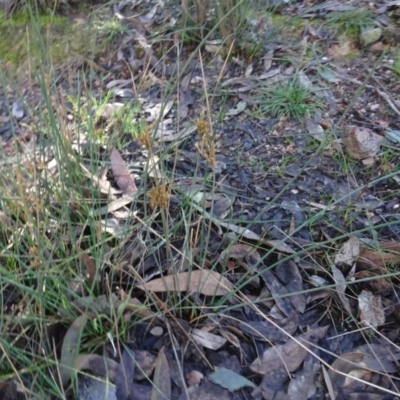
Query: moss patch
point(45, 37)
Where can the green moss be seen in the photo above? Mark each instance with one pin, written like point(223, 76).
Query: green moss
point(286, 26)
point(37, 38)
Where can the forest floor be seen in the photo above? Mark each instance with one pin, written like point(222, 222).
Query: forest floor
point(200, 200)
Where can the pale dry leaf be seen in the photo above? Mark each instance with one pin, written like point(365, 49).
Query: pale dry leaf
point(361, 142)
point(145, 363)
point(157, 331)
point(372, 313)
point(103, 184)
point(315, 130)
point(279, 245)
point(97, 365)
point(180, 135)
point(289, 355)
point(207, 339)
point(342, 50)
point(348, 252)
point(133, 306)
point(237, 109)
point(268, 58)
point(278, 292)
point(153, 167)
point(277, 72)
point(145, 19)
point(162, 378)
point(266, 330)
point(209, 283)
point(277, 362)
point(289, 274)
point(230, 337)
point(121, 173)
point(303, 384)
point(112, 226)
point(214, 48)
point(340, 281)
point(361, 365)
point(249, 70)
point(240, 252)
point(194, 378)
point(114, 205)
point(248, 234)
point(124, 379)
point(328, 382)
point(111, 109)
point(70, 348)
point(93, 388)
point(148, 50)
point(229, 379)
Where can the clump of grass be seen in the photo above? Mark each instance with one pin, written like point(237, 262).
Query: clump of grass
point(228, 17)
point(290, 99)
point(110, 30)
point(350, 22)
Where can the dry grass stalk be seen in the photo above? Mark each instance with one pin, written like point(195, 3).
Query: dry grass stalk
point(145, 138)
point(206, 144)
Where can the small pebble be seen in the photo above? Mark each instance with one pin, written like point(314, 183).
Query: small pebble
point(18, 109)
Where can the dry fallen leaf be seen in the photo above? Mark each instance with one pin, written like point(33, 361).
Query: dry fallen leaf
point(378, 285)
point(124, 379)
point(278, 361)
point(341, 51)
point(278, 245)
point(97, 365)
point(372, 313)
point(89, 265)
point(207, 339)
point(121, 173)
point(265, 330)
point(340, 280)
point(278, 291)
point(229, 379)
point(240, 252)
point(289, 274)
point(70, 348)
point(145, 364)
point(361, 142)
point(194, 378)
point(209, 283)
point(287, 357)
point(303, 384)
point(348, 252)
point(378, 258)
point(370, 363)
point(162, 378)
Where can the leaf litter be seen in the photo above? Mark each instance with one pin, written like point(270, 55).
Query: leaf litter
point(241, 286)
